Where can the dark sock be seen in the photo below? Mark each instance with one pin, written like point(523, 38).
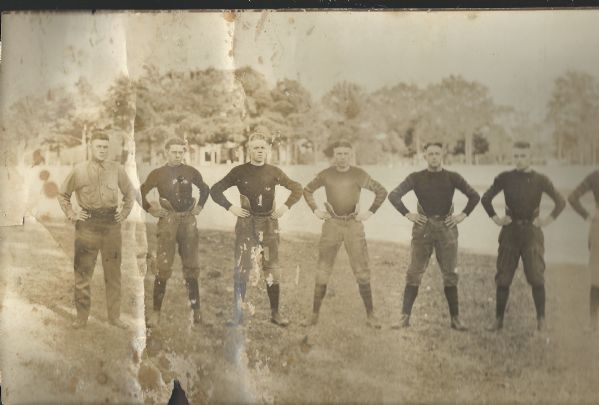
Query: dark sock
point(501, 302)
point(366, 294)
point(594, 304)
point(194, 292)
point(158, 294)
point(409, 296)
point(538, 296)
point(273, 291)
point(451, 293)
point(320, 291)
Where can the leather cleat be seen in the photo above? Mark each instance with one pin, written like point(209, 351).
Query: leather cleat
point(404, 322)
point(457, 324)
point(278, 320)
point(153, 320)
point(496, 326)
point(117, 323)
point(311, 320)
point(79, 323)
point(373, 322)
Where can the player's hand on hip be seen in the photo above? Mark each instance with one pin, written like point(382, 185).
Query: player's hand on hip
point(158, 212)
point(197, 209)
point(417, 218)
point(79, 216)
point(119, 217)
point(239, 212)
point(279, 212)
point(502, 221)
point(453, 220)
point(322, 214)
point(363, 216)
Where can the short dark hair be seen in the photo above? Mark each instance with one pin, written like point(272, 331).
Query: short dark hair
point(174, 141)
point(522, 145)
point(429, 144)
point(342, 143)
point(99, 136)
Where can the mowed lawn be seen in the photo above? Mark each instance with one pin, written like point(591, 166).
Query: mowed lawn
point(343, 361)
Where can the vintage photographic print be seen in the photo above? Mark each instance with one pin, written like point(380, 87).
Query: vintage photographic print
point(176, 189)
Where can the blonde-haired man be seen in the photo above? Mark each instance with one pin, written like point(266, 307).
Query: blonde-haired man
point(257, 220)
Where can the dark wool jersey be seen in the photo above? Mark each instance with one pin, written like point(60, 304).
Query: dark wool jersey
point(522, 191)
point(258, 184)
point(590, 183)
point(343, 189)
point(175, 184)
point(434, 191)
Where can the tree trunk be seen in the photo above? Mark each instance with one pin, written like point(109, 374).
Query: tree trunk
point(559, 148)
point(468, 148)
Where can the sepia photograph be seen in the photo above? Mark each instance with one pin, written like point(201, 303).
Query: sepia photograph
point(299, 207)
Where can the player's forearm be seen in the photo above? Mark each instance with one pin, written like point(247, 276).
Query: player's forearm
point(380, 193)
point(395, 197)
point(473, 200)
point(64, 200)
point(487, 201)
point(218, 196)
point(143, 192)
point(560, 204)
point(296, 192)
point(309, 197)
point(574, 200)
point(204, 193)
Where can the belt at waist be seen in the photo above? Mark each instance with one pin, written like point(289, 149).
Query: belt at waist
point(101, 214)
point(437, 217)
point(522, 221)
point(261, 214)
point(348, 217)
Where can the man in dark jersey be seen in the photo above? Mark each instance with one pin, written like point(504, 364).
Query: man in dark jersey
point(590, 183)
point(435, 228)
point(343, 224)
point(257, 228)
point(176, 224)
point(521, 235)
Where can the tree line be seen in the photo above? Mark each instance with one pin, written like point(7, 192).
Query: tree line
point(386, 125)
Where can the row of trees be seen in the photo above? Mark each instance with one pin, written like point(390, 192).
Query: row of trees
point(216, 106)
point(574, 113)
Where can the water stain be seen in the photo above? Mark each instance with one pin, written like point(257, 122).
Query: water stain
point(261, 23)
point(229, 16)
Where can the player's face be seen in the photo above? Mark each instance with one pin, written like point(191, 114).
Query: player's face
point(175, 154)
point(342, 157)
point(433, 156)
point(99, 149)
point(521, 158)
point(258, 149)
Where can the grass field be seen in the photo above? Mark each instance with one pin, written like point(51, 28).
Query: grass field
point(338, 361)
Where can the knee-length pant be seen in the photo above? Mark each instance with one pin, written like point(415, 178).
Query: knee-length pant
point(520, 240)
point(435, 236)
point(177, 230)
point(350, 232)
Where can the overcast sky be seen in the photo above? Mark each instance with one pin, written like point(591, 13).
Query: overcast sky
point(517, 54)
